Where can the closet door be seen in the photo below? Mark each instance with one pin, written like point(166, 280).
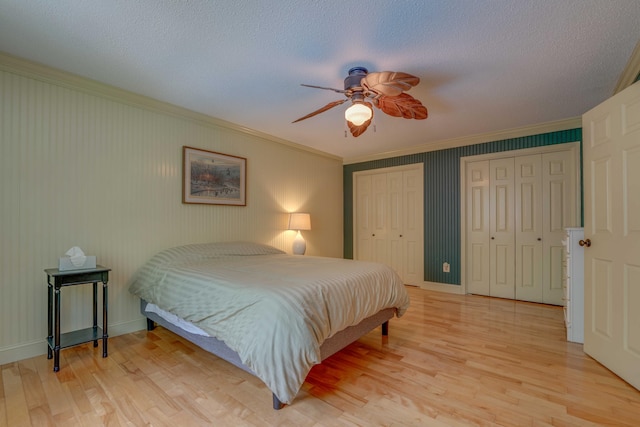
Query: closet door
point(558, 213)
point(395, 222)
point(389, 220)
point(528, 228)
point(364, 218)
point(371, 218)
point(501, 228)
point(413, 226)
point(517, 209)
point(478, 233)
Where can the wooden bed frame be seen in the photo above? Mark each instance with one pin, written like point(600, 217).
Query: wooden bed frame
point(328, 347)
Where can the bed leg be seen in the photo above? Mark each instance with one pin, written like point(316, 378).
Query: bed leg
point(276, 403)
point(385, 328)
point(151, 325)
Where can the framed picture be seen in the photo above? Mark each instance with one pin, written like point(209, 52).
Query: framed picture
point(213, 178)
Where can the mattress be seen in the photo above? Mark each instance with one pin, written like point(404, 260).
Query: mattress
point(275, 310)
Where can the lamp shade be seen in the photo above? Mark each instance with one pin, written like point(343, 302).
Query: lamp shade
point(358, 113)
point(299, 221)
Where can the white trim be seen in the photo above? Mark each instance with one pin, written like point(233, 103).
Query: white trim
point(560, 125)
point(630, 72)
point(442, 287)
point(574, 147)
point(56, 77)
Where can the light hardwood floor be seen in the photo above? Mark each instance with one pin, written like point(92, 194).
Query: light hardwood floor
point(450, 361)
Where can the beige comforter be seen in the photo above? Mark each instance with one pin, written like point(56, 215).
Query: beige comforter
point(273, 309)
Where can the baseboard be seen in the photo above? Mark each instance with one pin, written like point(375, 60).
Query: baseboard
point(38, 348)
point(442, 287)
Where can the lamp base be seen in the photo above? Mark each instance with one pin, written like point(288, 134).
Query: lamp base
point(299, 245)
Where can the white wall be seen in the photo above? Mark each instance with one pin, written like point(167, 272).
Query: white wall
point(93, 166)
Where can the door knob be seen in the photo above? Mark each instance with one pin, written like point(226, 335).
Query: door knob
point(539, 239)
point(585, 242)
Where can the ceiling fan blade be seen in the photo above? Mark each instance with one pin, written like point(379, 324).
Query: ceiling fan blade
point(403, 105)
point(325, 88)
point(389, 83)
point(322, 110)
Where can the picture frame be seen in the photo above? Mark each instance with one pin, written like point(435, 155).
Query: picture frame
point(213, 178)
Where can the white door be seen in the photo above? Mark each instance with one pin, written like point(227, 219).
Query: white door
point(388, 219)
point(501, 229)
point(413, 226)
point(612, 225)
point(380, 213)
point(371, 218)
point(364, 218)
point(477, 227)
point(558, 212)
point(395, 222)
point(528, 228)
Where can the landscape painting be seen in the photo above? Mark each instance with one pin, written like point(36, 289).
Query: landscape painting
point(213, 178)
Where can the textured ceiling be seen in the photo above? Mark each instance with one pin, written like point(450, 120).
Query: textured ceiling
point(484, 65)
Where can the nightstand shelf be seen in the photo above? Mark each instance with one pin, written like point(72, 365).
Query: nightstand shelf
point(56, 340)
point(81, 336)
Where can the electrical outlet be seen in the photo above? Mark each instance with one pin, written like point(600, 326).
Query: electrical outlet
point(446, 267)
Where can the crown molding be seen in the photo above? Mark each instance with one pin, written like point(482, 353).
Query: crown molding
point(554, 126)
point(20, 66)
point(631, 71)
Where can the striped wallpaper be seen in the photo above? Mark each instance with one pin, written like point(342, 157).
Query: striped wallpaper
point(89, 165)
point(442, 197)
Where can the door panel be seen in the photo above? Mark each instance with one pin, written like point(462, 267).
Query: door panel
point(413, 227)
point(395, 221)
point(612, 207)
point(501, 229)
point(477, 225)
point(380, 250)
point(364, 216)
point(528, 228)
point(558, 213)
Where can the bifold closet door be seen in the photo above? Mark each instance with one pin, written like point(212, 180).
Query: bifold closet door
point(395, 220)
point(528, 228)
point(558, 212)
point(389, 221)
point(413, 226)
point(501, 228)
point(371, 218)
point(477, 220)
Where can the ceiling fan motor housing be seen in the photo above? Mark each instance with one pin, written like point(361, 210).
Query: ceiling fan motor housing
point(356, 74)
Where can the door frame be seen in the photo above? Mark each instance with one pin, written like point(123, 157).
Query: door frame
point(574, 147)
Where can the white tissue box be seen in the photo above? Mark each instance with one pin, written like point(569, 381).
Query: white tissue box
point(64, 264)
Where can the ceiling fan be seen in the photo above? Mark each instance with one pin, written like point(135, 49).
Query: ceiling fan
point(386, 92)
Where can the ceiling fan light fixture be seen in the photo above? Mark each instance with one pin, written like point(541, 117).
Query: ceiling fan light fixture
point(358, 113)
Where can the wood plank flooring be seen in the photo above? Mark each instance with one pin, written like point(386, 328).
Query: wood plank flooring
point(452, 360)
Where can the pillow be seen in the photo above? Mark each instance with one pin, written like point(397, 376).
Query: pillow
point(198, 251)
point(235, 249)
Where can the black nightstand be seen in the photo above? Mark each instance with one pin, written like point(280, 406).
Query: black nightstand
point(56, 280)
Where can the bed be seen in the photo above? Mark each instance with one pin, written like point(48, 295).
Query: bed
point(272, 314)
